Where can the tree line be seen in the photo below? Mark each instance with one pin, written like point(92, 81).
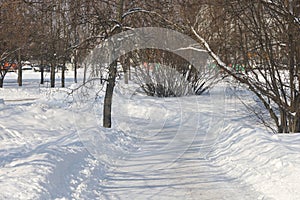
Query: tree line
point(255, 42)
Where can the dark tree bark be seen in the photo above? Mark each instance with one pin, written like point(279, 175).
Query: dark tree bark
point(75, 67)
point(63, 76)
point(3, 72)
point(20, 80)
point(52, 75)
point(42, 74)
point(1, 82)
point(109, 94)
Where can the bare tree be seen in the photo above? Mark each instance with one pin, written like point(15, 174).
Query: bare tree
point(14, 37)
point(263, 38)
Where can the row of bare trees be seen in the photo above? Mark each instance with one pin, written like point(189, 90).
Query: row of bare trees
point(260, 36)
point(51, 32)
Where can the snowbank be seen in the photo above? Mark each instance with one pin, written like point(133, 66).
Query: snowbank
point(268, 162)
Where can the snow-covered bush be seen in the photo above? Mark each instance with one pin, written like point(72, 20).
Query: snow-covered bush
point(165, 81)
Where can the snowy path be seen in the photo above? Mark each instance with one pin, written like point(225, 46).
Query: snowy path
point(171, 164)
point(187, 177)
point(43, 157)
point(168, 164)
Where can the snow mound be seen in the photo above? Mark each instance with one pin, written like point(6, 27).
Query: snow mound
point(270, 163)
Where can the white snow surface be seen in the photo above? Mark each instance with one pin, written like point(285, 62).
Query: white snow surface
point(52, 146)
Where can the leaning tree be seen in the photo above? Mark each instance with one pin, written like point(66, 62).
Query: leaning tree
point(263, 38)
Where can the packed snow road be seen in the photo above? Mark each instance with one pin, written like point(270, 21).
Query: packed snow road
point(175, 148)
point(173, 159)
point(147, 175)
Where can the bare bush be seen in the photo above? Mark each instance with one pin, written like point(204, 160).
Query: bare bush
point(164, 81)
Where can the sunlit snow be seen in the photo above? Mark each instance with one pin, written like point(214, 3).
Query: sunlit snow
point(52, 146)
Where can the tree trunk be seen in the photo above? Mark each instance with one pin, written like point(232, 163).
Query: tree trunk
point(129, 72)
point(111, 80)
point(2, 76)
point(63, 76)
point(109, 94)
point(75, 67)
point(42, 74)
point(20, 81)
point(84, 73)
point(52, 75)
point(297, 129)
point(1, 82)
point(296, 121)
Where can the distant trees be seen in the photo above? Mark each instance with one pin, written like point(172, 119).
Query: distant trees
point(51, 32)
point(54, 35)
point(15, 34)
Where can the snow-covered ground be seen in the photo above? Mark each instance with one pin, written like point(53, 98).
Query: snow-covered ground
point(198, 147)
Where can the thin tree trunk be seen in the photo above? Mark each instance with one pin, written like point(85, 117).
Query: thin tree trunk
point(2, 76)
point(42, 71)
point(109, 94)
point(296, 125)
point(42, 74)
point(129, 72)
point(52, 75)
point(126, 69)
point(84, 73)
point(20, 80)
point(75, 67)
point(1, 82)
point(297, 129)
point(63, 75)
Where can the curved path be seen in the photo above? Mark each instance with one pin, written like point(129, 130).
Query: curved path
point(171, 161)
